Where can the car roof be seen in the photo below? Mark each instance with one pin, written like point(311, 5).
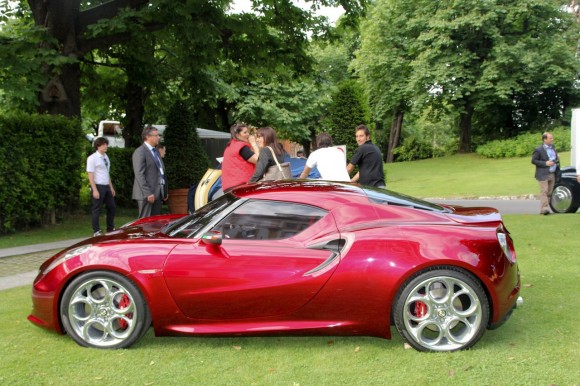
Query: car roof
point(331, 194)
point(324, 194)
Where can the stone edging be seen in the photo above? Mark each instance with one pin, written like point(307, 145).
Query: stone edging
point(506, 198)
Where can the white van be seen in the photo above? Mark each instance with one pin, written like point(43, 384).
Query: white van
point(113, 131)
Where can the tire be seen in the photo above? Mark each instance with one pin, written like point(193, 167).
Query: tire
point(561, 200)
point(441, 310)
point(104, 310)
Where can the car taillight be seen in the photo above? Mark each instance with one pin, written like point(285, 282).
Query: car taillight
point(506, 243)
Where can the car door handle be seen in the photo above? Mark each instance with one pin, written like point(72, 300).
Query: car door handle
point(334, 246)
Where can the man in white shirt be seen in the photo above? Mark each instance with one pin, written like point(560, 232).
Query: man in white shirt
point(330, 161)
point(102, 191)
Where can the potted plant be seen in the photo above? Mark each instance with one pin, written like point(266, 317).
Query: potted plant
point(186, 160)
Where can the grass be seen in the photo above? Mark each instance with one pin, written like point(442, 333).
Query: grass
point(74, 226)
point(465, 175)
point(539, 345)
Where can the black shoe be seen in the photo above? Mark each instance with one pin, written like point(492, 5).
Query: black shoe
point(545, 213)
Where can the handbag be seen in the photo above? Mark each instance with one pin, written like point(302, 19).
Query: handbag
point(280, 171)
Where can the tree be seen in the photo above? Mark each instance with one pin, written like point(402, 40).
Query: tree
point(347, 111)
point(186, 161)
point(74, 31)
point(384, 65)
point(21, 57)
point(469, 57)
point(292, 108)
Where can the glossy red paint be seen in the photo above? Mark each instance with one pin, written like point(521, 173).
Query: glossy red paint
point(339, 276)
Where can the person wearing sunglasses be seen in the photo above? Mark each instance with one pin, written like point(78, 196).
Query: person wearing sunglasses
point(102, 190)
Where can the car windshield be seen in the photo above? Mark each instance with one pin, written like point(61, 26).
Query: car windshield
point(189, 225)
point(388, 197)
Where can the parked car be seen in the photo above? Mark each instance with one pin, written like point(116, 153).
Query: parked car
point(289, 257)
point(566, 195)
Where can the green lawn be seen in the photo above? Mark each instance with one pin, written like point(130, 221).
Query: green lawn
point(539, 345)
point(72, 227)
point(465, 175)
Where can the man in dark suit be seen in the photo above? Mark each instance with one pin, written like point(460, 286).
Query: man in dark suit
point(149, 174)
point(547, 164)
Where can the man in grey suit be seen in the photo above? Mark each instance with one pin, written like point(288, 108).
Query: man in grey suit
point(149, 174)
point(547, 163)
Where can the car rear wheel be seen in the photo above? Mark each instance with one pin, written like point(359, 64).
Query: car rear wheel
point(104, 310)
point(561, 200)
point(441, 310)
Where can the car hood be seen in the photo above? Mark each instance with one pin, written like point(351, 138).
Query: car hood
point(146, 228)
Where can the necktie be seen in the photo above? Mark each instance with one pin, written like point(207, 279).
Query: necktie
point(156, 157)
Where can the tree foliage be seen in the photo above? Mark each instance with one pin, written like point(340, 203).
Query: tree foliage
point(470, 59)
point(347, 111)
point(186, 160)
point(156, 51)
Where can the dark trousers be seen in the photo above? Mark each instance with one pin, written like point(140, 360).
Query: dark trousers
point(105, 197)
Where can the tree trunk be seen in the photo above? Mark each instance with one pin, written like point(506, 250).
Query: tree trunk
point(135, 95)
point(136, 92)
point(465, 129)
point(64, 22)
point(61, 95)
point(395, 135)
point(223, 114)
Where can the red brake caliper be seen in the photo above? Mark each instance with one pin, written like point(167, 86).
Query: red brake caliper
point(420, 309)
point(124, 303)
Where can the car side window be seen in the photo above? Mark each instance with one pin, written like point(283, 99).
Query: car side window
point(268, 220)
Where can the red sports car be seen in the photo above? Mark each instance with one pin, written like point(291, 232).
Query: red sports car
point(289, 257)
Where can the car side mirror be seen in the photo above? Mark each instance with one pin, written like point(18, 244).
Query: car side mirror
point(212, 238)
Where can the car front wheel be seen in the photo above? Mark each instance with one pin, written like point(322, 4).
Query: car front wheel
point(441, 310)
point(561, 200)
point(104, 310)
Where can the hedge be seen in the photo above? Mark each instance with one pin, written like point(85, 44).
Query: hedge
point(40, 169)
point(524, 144)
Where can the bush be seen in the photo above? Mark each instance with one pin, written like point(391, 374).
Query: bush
point(186, 161)
point(348, 110)
point(413, 149)
point(523, 144)
point(40, 166)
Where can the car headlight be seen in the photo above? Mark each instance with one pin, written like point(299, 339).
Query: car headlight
point(70, 254)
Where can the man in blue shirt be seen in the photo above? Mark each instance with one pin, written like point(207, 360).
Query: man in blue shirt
point(545, 157)
point(369, 159)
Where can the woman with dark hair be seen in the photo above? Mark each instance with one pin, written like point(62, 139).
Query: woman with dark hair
point(266, 139)
point(239, 160)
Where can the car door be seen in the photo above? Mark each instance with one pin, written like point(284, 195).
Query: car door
point(274, 258)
